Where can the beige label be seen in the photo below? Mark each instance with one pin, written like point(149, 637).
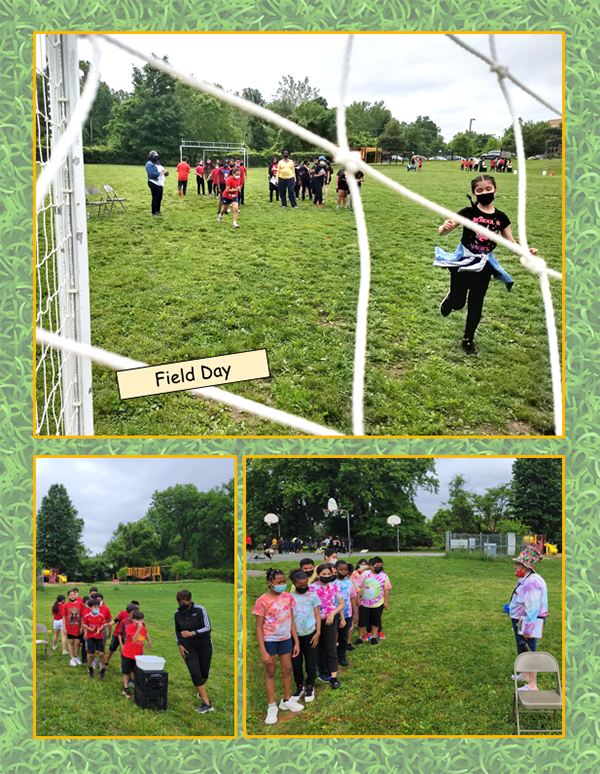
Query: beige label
point(191, 374)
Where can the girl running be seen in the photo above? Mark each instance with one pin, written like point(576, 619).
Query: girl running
point(58, 613)
point(276, 635)
point(231, 193)
point(308, 627)
point(331, 605)
point(472, 264)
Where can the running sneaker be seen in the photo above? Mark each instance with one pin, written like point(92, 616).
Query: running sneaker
point(367, 637)
point(298, 693)
point(127, 693)
point(236, 225)
point(343, 662)
point(271, 718)
point(204, 707)
point(381, 635)
point(323, 677)
point(95, 663)
point(65, 652)
point(291, 705)
point(335, 684)
point(90, 672)
point(349, 646)
point(77, 661)
point(54, 647)
point(359, 642)
point(374, 641)
point(103, 673)
point(469, 346)
point(445, 307)
point(309, 694)
point(220, 218)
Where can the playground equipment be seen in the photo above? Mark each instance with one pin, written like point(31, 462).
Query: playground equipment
point(364, 154)
point(152, 573)
point(54, 576)
point(539, 541)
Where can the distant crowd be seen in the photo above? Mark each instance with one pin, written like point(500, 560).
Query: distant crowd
point(295, 545)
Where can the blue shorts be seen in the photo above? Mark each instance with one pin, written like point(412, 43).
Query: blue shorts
point(279, 647)
point(226, 200)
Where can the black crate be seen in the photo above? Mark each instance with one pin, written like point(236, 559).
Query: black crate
point(151, 683)
point(158, 702)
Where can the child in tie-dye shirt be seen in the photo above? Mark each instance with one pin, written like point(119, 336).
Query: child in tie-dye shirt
point(331, 605)
point(350, 611)
point(375, 592)
point(308, 626)
point(276, 635)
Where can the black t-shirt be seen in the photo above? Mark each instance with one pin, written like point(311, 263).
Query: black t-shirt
point(496, 221)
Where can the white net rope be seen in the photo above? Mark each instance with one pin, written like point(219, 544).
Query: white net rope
point(352, 162)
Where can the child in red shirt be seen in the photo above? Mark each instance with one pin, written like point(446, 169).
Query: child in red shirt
point(244, 174)
point(231, 194)
point(94, 624)
point(183, 170)
point(120, 622)
point(200, 178)
point(135, 644)
point(72, 623)
point(58, 613)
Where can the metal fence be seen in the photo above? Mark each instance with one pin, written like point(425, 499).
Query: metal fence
point(508, 544)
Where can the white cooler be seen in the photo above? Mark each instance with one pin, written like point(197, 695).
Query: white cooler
point(150, 663)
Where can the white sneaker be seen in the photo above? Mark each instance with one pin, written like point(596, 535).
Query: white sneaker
point(65, 652)
point(77, 661)
point(73, 662)
point(271, 718)
point(291, 705)
point(527, 688)
point(54, 647)
point(94, 663)
point(220, 218)
point(235, 225)
point(519, 677)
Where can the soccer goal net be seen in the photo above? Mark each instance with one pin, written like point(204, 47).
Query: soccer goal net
point(62, 335)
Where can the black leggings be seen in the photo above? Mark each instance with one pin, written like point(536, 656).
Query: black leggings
point(273, 187)
point(198, 661)
point(210, 186)
point(318, 190)
point(327, 657)
point(310, 661)
point(342, 640)
point(475, 284)
point(182, 186)
point(305, 189)
point(157, 194)
point(200, 184)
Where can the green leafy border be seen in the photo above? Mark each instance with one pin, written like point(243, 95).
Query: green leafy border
point(576, 753)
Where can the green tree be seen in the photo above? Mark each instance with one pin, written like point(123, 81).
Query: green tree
point(442, 521)
point(59, 531)
point(536, 495)
point(367, 117)
point(174, 515)
point(183, 569)
point(314, 117)
point(462, 507)
point(290, 94)
point(207, 118)
point(134, 544)
point(254, 95)
point(95, 129)
point(393, 139)
point(493, 506)
point(150, 118)
point(213, 543)
point(459, 144)
point(535, 134)
point(423, 137)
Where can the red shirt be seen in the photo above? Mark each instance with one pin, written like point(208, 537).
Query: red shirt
point(232, 183)
point(106, 613)
point(183, 170)
point(74, 613)
point(215, 175)
point(244, 173)
point(132, 649)
point(200, 169)
point(61, 611)
point(97, 622)
point(123, 620)
point(223, 175)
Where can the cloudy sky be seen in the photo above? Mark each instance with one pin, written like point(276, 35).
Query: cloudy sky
point(481, 474)
point(414, 74)
point(109, 490)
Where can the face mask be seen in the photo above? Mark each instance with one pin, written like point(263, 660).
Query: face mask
point(486, 198)
point(301, 591)
point(378, 569)
point(327, 578)
point(286, 156)
point(281, 587)
point(95, 612)
point(342, 575)
point(184, 608)
point(521, 573)
point(331, 560)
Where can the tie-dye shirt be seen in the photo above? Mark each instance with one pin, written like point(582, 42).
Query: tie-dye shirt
point(373, 588)
point(329, 595)
point(529, 601)
point(304, 612)
point(348, 592)
point(277, 616)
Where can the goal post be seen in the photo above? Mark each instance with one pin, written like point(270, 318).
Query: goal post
point(229, 149)
point(63, 379)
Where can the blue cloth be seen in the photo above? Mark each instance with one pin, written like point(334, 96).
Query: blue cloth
point(280, 647)
point(152, 170)
point(464, 260)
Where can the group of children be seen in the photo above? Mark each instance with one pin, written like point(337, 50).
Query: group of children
point(310, 181)
point(310, 628)
point(86, 626)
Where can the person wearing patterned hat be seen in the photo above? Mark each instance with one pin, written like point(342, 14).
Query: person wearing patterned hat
point(529, 601)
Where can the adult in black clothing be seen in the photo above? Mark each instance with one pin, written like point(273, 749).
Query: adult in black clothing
point(318, 178)
point(304, 177)
point(192, 630)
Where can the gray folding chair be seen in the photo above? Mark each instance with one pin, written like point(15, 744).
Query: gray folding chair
point(96, 204)
point(40, 641)
point(537, 702)
point(114, 199)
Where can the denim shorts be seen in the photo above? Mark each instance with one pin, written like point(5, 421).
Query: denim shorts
point(279, 647)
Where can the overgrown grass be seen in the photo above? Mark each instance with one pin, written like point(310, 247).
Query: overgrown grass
point(69, 704)
point(444, 668)
point(184, 286)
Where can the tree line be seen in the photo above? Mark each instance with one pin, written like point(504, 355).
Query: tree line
point(370, 490)
point(123, 126)
point(191, 530)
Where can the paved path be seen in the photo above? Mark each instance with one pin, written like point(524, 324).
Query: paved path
point(318, 558)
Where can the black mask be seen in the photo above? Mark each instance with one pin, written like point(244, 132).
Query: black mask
point(327, 579)
point(378, 569)
point(485, 199)
point(183, 608)
point(301, 591)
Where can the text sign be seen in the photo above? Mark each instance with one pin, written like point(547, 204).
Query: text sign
point(192, 374)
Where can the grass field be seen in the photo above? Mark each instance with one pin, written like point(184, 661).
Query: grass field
point(444, 668)
point(69, 704)
point(184, 286)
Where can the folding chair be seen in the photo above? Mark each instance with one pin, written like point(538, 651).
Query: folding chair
point(41, 629)
point(114, 198)
point(536, 702)
point(91, 190)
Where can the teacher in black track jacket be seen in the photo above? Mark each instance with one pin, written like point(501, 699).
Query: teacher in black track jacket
point(192, 630)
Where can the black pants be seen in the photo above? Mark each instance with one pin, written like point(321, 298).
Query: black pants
point(475, 284)
point(210, 186)
point(342, 640)
point(310, 661)
point(273, 187)
point(182, 186)
point(157, 194)
point(287, 187)
point(305, 189)
point(200, 184)
point(241, 195)
point(327, 656)
point(198, 660)
point(318, 190)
